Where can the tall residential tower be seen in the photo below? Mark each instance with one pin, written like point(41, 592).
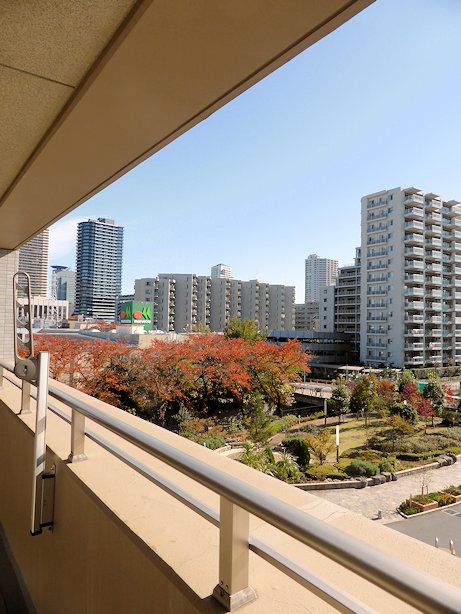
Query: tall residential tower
point(33, 259)
point(99, 268)
point(319, 273)
point(410, 279)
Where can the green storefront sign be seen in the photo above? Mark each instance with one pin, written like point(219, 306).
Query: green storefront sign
point(136, 312)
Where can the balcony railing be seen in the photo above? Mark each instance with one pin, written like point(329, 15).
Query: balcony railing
point(239, 499)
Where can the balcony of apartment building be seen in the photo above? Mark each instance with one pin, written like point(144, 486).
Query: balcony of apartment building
point(373, 252)
point(414, 213)
point(413, 347)
point(413, 239)
point(117, 485)
point(143, 519)
point(376, 330)
point(433, 255)
point(377, 215)
point(413, 332)
point(376, 266)
point(413, 197)
point(414, 305)
point(432, 203)
point(414, 279)
point(414, 252)
point(413, 292)
point(413, 226)
point(410, 359)
point(413, 264)
point(433, 281)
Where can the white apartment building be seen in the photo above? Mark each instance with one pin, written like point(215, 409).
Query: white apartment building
point(347, 301)
point(307, 316)
point(184, 300)
point(221, 270)
point(319, 273)
point(410, 279)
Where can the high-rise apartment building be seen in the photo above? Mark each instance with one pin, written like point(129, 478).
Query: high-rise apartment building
point(63, 285)
point(221, 270)
point(193, 300)
point(319, 273)
point(410, 279)
point(99, 268)
point(346, 296)
point(33, 259)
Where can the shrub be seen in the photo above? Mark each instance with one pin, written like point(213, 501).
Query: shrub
point(386, 467)
point(454, 490)
point(451, 418)
point(442, 498)
point(409, 510)
point(409, 456)
point(362, 468)
point(424, 499)
point(213, 442)
point(287, 468)
point(298, 447)
point(323, 472)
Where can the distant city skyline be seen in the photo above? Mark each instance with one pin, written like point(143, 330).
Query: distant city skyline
point(279, 172)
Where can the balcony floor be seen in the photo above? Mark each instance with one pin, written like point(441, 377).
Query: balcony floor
point(11, 597)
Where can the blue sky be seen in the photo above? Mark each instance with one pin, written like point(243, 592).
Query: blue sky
point(278, 173)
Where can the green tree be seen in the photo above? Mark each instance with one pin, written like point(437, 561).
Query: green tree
point(405, 411)
point(321, 445)
point(256, 419)
point(399, 428)
point(364, 395)
point(340, 398)
point(239, 328)
point(433, 391)
point(405, 378)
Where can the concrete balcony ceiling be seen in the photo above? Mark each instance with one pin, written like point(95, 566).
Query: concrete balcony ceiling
point(91, 89)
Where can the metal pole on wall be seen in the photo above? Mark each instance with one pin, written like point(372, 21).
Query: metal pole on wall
point(337, 443)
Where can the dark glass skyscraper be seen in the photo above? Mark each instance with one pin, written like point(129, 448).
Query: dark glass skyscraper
point(99, 268)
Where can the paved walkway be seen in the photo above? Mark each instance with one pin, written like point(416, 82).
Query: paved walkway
point(386, 497)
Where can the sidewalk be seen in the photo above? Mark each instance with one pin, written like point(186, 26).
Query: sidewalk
point(386, 497)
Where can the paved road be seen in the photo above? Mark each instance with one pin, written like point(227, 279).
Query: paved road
point(444, 524)
point(386, 497)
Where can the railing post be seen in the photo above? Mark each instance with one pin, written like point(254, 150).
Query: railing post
point(39, 442)
point(233, 589)
point(77, 436)
point(25, 397)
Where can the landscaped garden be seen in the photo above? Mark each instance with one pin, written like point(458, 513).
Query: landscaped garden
point(431, 501)
point(232, 389)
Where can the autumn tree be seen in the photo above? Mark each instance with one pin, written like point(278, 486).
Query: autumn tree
point(385, 396)
point(405, 377)
point(426, 411)
point(274, 368)
point(409, 392)
point(433, 391)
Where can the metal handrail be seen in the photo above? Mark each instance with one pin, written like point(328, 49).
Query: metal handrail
point(416, 588)
point(338, 598)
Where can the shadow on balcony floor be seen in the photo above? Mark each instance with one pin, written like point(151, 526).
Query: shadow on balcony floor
point(12, 599)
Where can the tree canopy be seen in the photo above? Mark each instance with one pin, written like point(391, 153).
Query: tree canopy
point(199, 375)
